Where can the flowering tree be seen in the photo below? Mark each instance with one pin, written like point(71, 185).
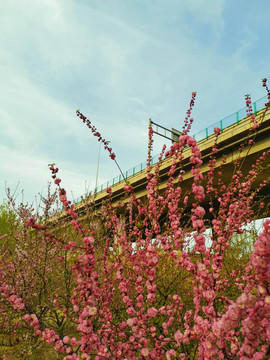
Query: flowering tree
point(35, 280)
point(148, 284)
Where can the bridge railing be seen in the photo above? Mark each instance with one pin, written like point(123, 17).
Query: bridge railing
point(232, 119)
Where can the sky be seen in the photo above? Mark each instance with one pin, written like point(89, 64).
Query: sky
point(120, 62)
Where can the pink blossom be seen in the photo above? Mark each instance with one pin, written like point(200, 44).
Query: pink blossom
point(66, 340)
point(152, 312)
point(217, 130)
point(130, 322)
point(28, 222)
point(199, 211)
point(209, 295)
point(198, 191)
point(178, 336)
point(145, 351)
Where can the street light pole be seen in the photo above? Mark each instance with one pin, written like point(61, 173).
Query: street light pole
point(97, 167)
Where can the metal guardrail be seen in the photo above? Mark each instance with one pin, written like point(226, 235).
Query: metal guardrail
point(232, 119)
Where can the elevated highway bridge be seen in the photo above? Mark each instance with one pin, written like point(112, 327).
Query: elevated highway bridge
point(228, 145)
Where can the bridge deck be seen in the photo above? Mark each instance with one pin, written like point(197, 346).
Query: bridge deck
point(228, 144)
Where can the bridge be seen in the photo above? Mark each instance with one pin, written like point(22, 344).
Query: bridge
point(229, 140)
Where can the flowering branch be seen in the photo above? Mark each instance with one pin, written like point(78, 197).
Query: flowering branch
point(264, 80)
point(188, 120)
point(100, 138)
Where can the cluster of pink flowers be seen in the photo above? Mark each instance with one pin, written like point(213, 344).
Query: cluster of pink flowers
point(217, 131)
point(250, 312)
point(31, 222)
point(32, 320)
point(169, 295)
point(8, 292)
point(62, 346)
point(188, 120)
point(16, 302)
point(264, 80)
point(249, 111)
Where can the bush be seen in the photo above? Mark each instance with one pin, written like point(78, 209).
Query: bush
point(146, 284)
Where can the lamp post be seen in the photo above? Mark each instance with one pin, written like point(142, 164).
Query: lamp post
point(97, 167)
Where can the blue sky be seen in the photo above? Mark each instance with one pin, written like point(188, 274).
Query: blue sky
point(120, 62)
